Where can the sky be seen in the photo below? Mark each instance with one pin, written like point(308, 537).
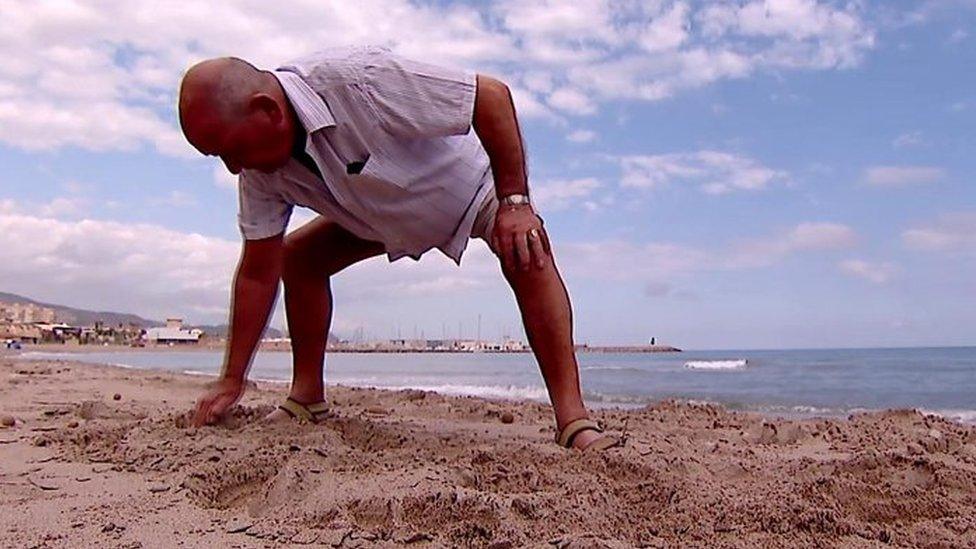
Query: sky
point(718, 175)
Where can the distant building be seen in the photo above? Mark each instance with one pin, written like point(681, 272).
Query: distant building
point(58, 332)
point(26, 313)
point(467, 345)
point(23, 333)
point(173, 334)
point(514, 345)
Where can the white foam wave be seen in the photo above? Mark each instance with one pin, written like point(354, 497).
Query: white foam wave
point(962, 416)
point(48, 355)
point(736, 364)
point(76, 357)
point(514, 392)
point(199, 373)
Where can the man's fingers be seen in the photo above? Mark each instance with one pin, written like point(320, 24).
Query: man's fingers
point(544, 237)
point(221, 406)
point(522, 247)
point(202, 411)
point(506, 251)
point(216, 407)
point(538, 250)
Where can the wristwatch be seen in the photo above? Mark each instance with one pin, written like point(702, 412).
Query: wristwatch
point(515, 199)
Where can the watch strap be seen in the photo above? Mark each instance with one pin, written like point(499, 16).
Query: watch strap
point(515, 199)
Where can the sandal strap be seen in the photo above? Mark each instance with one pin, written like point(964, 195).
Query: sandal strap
point(601, 444)
point(307, 412)
point(565, 437)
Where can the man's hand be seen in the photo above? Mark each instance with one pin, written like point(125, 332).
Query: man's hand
point(519, 239)
point(223, 393)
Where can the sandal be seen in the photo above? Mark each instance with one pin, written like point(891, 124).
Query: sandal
point(312, 413)
point(565, 437)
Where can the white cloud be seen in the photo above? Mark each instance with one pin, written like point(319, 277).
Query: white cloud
point(177, 199)
point(804, 237)
point(581, 136)
point(902, 176)
point(714, 172)
point(801, 33)
point(572, 101)
point(619, 260)
point(958, 35)
point(562, 194)
point(75, 187)
point(64, 206)
point(145, 269)
point(300, 216)
point(529, 105)
point(103, 76)
point(660, 264)
point(668, 31)
point(877, 273)
point(223, 178)
point(950, 233)
point(908, 139)
point(157, 272)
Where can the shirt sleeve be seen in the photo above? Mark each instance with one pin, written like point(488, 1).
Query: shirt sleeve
point(262, 213)
point(414, 99)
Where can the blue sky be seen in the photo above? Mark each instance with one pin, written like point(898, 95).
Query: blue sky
point(786, 173)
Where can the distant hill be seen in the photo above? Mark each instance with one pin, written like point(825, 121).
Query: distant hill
point(82, 317)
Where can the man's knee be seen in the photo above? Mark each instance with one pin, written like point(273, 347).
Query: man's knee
point(298, 260)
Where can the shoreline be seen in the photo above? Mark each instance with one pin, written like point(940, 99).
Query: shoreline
point(279, 348)
point(593, 400)
point(82, 467)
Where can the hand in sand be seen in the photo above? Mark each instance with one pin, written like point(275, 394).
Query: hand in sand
point(223, 393)
point(519, 239)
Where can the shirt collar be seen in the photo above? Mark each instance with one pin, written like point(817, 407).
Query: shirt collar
point(312, 111)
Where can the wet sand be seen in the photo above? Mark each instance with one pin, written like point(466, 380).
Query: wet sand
point(414, 469)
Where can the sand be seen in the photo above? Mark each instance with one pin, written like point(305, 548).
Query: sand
point(415, 469)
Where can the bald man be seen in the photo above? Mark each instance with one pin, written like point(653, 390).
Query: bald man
point(382, 148)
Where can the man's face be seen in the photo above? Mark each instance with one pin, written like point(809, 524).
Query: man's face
point(258, 140)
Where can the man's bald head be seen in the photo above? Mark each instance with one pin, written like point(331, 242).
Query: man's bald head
point(231, 109)
point(222, 85)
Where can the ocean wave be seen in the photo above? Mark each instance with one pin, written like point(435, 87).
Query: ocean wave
point(614, 398)
point(515, 392)
point(199, 373)
point(798, 410)
point(612, 369)
point(31, 355)
point(737, 364)
point(75, 357)
point(962, 416)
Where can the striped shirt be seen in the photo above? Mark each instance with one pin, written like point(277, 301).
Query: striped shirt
point(393, 141)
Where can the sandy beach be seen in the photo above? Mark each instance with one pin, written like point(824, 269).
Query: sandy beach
point(102, 456)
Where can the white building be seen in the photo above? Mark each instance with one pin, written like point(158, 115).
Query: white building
point(173, 333)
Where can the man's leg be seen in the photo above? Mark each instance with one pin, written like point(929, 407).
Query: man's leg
point(313, 253)
point(548, 319)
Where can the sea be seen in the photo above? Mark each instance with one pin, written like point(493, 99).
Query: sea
point(782, 383)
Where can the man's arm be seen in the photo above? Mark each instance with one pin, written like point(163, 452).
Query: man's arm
point(255, 289)
point(518, 236)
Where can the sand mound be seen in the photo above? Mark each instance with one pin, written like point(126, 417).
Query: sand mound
point(436, 471)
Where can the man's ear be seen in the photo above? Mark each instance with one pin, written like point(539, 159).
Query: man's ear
point(262, 102)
